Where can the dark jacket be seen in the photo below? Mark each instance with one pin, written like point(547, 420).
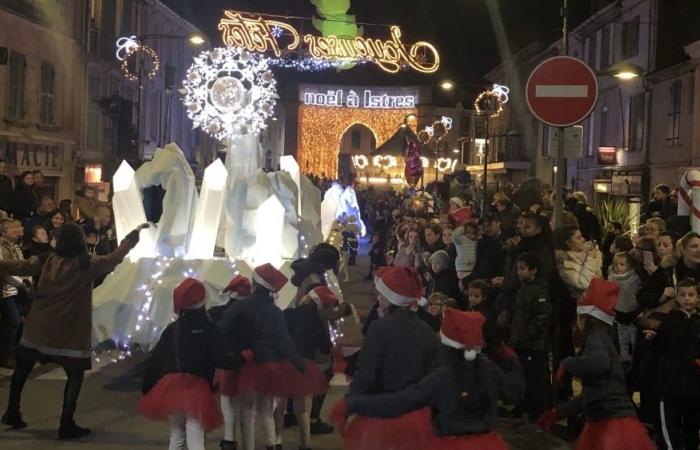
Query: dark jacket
point(33, 248)
point(7, 195)
point(446, 282)
point(453, 412)
point(490, 260)
point(376, 254)
point(26, 201)
point(532, 316)
point(398, 350)
point(604, 393)
point(588, 223)
point(434, 322)
point(189, 345)
point(660, 208)
point(258, 324)
point(677, 346)
point(652, 287)
point(309, 332)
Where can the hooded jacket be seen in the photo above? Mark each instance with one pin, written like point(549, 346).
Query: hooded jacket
point(676, 347)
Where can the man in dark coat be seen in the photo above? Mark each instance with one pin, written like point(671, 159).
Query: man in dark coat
point(400, 348)
point(7, 192)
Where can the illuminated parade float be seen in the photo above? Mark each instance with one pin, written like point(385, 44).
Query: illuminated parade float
point(243, 216)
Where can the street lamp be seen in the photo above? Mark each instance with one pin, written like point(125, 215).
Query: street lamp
point(197, 39)
point(447, 85)
point(624, 71)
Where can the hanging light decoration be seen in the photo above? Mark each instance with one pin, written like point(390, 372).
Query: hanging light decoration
point(140, 52)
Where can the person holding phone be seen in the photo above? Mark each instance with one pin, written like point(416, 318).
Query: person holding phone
point(410, 253)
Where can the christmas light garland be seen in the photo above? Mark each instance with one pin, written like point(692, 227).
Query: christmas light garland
point(321, 130)
point(134, 50)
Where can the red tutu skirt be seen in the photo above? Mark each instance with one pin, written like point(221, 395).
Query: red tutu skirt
point(281, 379)
point(182, 393)
point(411, 431)
point(619, 433)
point(226, 382)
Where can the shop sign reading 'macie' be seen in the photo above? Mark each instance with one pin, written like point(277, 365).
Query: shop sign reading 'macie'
point(260, 34)
point(352, 99)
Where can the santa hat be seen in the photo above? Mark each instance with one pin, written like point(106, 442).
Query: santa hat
point(269, 277)
point(462, 215)
point(457, 201)
point(599, 300)
point(401, 286)
point(239, 286)
point(323, 297)
point(189, 294)
point(462, 330)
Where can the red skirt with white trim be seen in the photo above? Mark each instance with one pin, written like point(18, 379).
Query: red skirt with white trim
point(412, 431)
point(182, 393)
point(618, 433)
point(281, 379)
point(226, 382)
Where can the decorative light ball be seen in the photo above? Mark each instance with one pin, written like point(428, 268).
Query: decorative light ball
point(234, 90)
point(424, 136)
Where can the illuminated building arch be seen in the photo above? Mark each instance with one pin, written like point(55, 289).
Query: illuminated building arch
point(321, 129)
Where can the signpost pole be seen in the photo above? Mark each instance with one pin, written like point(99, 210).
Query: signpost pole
point(560, 161)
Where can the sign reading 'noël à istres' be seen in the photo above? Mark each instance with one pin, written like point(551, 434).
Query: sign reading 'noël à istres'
point(358, 97)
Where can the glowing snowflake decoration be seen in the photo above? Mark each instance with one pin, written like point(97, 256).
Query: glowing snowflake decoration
point(229, 92)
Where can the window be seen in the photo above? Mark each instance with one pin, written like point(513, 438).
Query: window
point(94, 115)
point(545, 141)
point(15, 101)
point(630, 38)
point(127, 17)
point(593, 51)
point(636, 138)
point(591, 134)
point(114, 83)
point(674, 114)
point(603, 137)
point(356, 139)
point(108, 31)
point(48, 76)
point(605, 47)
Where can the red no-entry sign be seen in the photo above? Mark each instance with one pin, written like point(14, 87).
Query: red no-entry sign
point(562, 91)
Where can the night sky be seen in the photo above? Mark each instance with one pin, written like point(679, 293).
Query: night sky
point(461, 29)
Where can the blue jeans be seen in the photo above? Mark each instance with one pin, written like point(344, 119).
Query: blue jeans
point(9, 324)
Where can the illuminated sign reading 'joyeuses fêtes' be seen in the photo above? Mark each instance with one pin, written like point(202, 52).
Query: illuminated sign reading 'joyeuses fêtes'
point(367, 99)
point(261, 35)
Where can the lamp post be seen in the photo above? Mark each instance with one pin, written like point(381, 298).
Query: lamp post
point(136, 42)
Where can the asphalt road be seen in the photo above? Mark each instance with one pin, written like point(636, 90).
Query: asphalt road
point(108, 404)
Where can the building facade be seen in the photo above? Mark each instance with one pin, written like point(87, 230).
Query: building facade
point(41, 112)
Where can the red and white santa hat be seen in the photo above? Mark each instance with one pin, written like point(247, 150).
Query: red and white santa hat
point(269, 277)
point(599, 300)
point(462, 330)
point(239, 286)
point(401, 286)
point(324, 297)
point(189, 294)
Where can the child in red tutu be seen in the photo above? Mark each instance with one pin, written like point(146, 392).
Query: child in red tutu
point(226, 381)
point(611, 420)
point(463, 397)
point(277, 369)
point(310, 334)
point(177, 385)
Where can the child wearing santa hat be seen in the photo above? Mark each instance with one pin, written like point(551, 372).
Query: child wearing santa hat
point(276, 370)
point(226, 381)
point(309, 331)
point(611, 420)
point(177, 384)
point(453, 408)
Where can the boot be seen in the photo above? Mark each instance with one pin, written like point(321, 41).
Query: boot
point(13, 418)
point(70, 430)
point(228, 445)
point(320, 427)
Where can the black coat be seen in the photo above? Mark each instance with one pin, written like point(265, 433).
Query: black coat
point(7, 195)
point(189, 345)
point(398, 350)
point(604, 393)
point(446, 282)
point(490, 260)
point(677, 346)
point(309, 332)
point(652, 287)
point(258, 324)
point(453, 412)
point(33, 248)
point(26, 201)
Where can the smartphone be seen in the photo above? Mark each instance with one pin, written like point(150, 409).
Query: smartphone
point(648, 257)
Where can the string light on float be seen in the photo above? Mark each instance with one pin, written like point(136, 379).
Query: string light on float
point(385, 162)
point(360, 161)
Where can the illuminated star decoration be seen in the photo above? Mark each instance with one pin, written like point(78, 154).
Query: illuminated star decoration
point(229, 92)
point(492, 101)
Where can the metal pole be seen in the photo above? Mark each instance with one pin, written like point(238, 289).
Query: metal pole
point(486, 169)
point(561, 162)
